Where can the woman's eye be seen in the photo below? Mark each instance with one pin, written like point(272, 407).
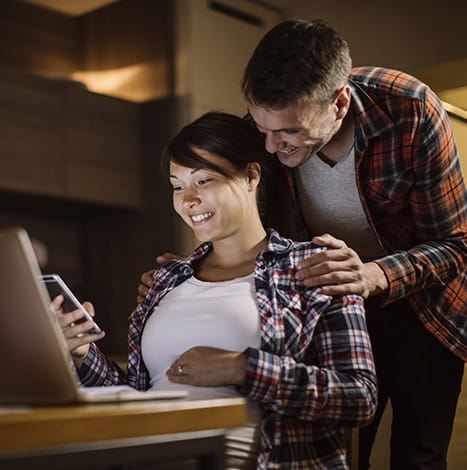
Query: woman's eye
point(204, 181)
point(177, 188)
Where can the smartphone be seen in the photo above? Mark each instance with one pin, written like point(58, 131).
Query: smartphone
point(56, 286)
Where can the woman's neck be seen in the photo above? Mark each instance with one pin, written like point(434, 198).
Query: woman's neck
point(232, 257)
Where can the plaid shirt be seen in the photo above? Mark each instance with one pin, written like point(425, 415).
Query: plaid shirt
point(411, 188)
point(312, 375)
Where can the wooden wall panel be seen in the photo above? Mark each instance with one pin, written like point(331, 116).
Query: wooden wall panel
point(97, 240)
point(38, 40)
point(60, 236)
point(31, 134)
point(125, 33)
point(103, 141)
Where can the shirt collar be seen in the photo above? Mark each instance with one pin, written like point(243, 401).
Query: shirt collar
point(370, 120)
point(278, 244)
point(184, 266)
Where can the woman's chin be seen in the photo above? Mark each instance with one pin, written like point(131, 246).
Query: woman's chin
point(203, 235)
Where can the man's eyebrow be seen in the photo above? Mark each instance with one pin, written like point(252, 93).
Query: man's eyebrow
point(297, 129)
point(283, 129)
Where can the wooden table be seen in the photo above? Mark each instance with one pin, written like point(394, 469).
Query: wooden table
point(110, 435)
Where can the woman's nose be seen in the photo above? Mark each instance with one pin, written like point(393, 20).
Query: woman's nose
point(190, 197)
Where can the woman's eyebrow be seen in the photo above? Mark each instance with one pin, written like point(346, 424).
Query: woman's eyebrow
point(192, 172)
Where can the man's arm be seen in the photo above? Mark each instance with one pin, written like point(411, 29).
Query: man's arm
point(438, 204)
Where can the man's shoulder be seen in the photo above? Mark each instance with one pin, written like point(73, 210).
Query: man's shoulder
point(389, 82)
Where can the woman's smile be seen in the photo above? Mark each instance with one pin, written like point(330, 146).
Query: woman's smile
point(201, 218)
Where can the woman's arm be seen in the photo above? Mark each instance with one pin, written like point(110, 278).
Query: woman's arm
point(97, 369)
point(338, 382)
point(92, 365)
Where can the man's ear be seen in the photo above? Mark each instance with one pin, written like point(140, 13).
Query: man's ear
point(253, 172)
point(343, 102)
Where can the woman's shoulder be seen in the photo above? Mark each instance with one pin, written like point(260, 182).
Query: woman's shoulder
point(291, 250)
point(183, 263)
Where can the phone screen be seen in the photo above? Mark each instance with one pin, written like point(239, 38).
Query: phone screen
point(56, 286)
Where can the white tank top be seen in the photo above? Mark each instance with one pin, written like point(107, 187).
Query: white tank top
point(199, 313)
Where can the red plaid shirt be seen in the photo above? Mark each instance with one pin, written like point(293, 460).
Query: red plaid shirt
point(411, 187)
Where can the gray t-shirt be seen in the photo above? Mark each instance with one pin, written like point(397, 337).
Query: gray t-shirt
point(331, 204)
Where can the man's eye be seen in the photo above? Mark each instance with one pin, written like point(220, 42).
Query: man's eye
point(177, 188)
point(290, 131)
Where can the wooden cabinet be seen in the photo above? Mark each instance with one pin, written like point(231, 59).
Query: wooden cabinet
point(58, 139)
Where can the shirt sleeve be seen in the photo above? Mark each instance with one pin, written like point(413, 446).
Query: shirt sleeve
point(98, 370)
point(438, 206)
point(337, 383)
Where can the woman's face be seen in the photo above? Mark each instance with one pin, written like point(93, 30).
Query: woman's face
point(214, 206)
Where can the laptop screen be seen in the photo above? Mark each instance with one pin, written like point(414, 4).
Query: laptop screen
point(34, 360)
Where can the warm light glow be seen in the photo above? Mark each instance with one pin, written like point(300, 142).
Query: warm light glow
point(137, 83)
point(455, 96)
point(72, 7)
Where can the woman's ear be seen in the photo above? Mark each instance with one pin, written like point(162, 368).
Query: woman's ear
point(253, 172)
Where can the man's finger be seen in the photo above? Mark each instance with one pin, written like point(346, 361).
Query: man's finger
point(142, 290)
point(328, 240)
point(161, 259)
point(146, 278)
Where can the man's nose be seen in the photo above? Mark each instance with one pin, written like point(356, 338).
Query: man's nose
point(272, 142)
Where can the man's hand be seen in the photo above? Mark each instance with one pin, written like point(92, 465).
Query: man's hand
point(340, 270)
point(208, 367)
point(146, 277)
point(76, 334)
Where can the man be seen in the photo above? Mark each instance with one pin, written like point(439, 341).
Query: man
point(372, 163)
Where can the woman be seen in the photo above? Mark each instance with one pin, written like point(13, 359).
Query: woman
point(231, 319)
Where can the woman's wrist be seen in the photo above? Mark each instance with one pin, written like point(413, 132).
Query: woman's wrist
point(240, 365)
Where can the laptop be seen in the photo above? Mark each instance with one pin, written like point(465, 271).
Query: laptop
point(36, 367)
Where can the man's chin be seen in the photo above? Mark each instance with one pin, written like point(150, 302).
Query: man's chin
point(294, 159)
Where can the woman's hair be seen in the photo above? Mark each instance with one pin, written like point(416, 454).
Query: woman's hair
point(297, 62)
point(237, 141)
point(224, 135)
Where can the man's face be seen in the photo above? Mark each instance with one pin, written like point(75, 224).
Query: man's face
point(295, 133)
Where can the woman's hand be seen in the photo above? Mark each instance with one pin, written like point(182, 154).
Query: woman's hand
point(208, 367)
point(76, 334)
point(340, 271)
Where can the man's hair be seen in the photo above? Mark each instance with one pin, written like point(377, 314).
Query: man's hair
point(297, 62)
